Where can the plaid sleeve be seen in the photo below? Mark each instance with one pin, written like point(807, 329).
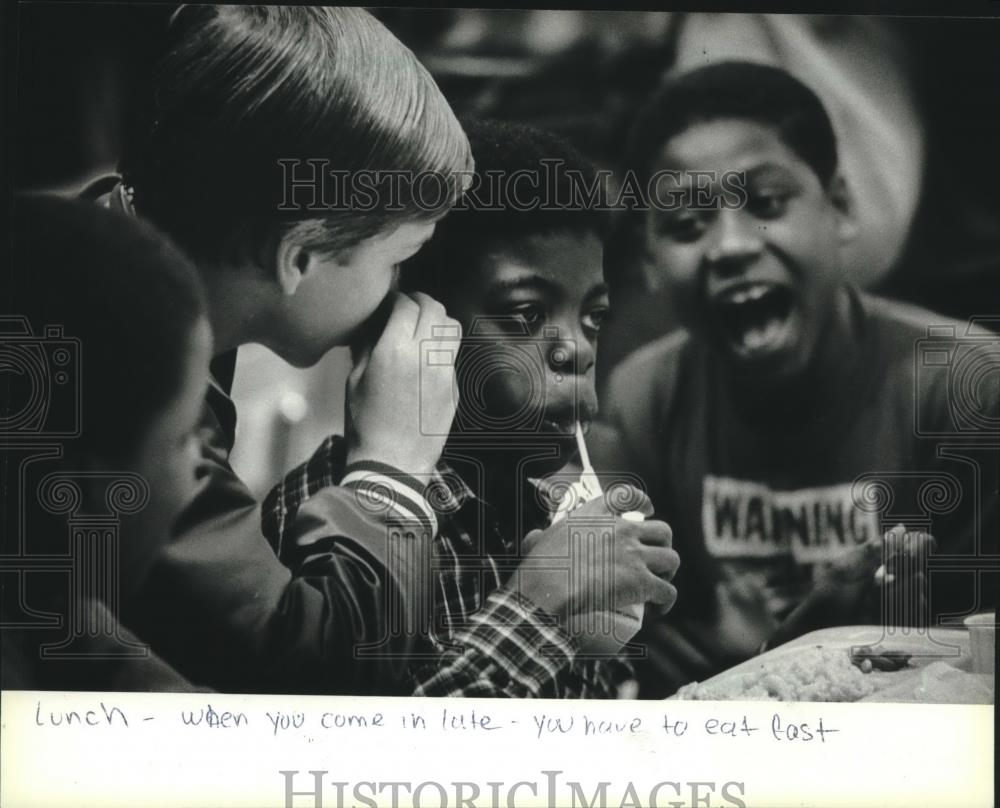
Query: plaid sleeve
point(381, 486)
point(323, 469)
point(508, 648)
point(592, 679)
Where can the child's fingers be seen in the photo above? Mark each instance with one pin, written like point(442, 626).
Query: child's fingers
point(890, 547)
point(857, 560)
point(654, 533)
point(403, 318)
point(905, 553)
point(896, 533)
point(430, 313)
point(661, 592)
point(661, 561)
point(371, 330)
point(896, 540)
point(882, 577)
point(872, 550)
point(530, 540)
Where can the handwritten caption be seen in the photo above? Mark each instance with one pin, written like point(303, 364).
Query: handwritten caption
point(541, 724)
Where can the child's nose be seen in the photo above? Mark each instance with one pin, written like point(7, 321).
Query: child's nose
point(570, 352)
point(736, 239)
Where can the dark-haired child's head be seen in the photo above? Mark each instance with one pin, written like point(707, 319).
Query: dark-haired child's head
point(755, 272)
point(279, 143)
point(519, 265)
point(125, 356)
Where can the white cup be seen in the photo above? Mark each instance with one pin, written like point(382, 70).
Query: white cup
point(983, 641)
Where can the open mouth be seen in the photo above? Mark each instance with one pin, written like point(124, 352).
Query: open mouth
point(757, 319)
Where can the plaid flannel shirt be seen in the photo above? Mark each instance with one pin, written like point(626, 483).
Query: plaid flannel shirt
point(486, 638)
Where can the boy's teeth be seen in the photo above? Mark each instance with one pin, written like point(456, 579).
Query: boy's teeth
point(748, 294)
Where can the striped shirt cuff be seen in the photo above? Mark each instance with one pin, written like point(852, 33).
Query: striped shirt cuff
point(402, 494)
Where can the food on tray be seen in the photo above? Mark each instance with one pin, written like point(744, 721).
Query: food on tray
point(858, 663)
point(869, 658)
point(940, 683)
point(808, 674)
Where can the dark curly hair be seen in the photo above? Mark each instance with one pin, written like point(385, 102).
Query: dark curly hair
point(527, 182)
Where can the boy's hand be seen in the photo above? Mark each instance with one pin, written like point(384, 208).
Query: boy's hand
point(903, 581)
point(399, 409)
point(905, 553)
point(554, 579)
point(850, 588)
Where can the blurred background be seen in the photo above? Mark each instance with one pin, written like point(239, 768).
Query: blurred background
point(915, 102)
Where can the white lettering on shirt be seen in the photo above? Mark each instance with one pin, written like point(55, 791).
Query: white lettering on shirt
point(746, 519)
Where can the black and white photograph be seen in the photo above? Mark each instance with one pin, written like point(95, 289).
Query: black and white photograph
point(402, 356)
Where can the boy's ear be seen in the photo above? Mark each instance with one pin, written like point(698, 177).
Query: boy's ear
point(843, 203)
point(292, 261)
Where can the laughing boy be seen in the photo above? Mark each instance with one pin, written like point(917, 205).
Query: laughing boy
point(769, 427)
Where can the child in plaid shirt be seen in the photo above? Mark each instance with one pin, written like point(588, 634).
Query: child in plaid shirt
point(531, 298)
point(519, 265)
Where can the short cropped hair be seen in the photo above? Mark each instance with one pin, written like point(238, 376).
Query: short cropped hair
point(726, 90)
point(126, 294)
point(738, 90)
point(241, 88)
point(527, 182)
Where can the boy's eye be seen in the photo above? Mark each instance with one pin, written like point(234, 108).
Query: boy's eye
point(768, 204)
point(595, 319)
point(684, 227)
point(531, 313)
